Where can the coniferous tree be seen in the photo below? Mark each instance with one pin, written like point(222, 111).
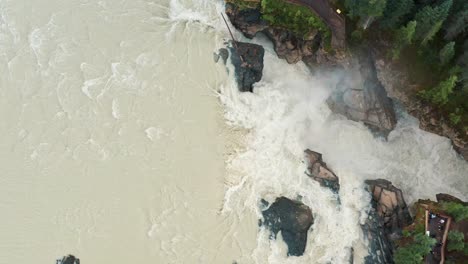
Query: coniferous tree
point(455, 241)
point(440, 94)
point(446, 53)
point(457, 25)
point(414, 253)
point(462, 62)
point(394, 12)
point(403, 37)
point(430, 20)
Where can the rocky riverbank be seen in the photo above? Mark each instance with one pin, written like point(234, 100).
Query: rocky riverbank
point(365, 95)
point(381, 81)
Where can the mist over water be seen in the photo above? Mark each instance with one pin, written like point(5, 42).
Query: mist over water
point(122, 141)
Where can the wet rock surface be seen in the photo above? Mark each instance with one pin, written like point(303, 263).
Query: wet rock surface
point(248, 21)
point(361, 97)
point(399, 86)
point(289, 46)
point(292, 48)
point(390, 206)
point(247, 59)
point(293, 219)
point(380, 248)
point(318, 170)
point(443, 197)
point(70, 259)
point(387, 217)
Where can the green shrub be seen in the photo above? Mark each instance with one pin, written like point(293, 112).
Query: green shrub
point(241, 4)
point(455, 241)
point(298, 19)
point(456, 210)
point(455, 117)
point(440, 94)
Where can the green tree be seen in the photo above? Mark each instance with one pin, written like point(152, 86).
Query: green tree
point(439, 94)
point(455, 241)
point(446, 53)
point(365, 8)
point(403, 37)
point(430, 20)
point(457, 25)
point(414, 253)
point(457, 210)
point(394, 12)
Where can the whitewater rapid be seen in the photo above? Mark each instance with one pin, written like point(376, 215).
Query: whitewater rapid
point(123, 142)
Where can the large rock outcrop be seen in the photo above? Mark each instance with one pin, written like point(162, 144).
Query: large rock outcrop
point(289, 46)
point(318, 170)
point(361, 97)
point(247, 59)
point(443, 197)
point(293, 219)
point(388, 216)
point(390, 206)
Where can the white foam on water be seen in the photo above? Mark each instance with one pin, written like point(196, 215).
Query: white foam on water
point(287, 114)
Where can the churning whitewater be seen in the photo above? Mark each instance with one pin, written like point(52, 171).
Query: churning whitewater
point(123, 142)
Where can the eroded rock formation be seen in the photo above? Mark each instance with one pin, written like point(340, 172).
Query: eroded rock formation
point(293, 219)
point(318, 170)
point(390, 206)
point(361, 97)
point(399, 86)
point(289, 46)
point(388, 216)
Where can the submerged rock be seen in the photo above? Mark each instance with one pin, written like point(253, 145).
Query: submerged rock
point(222, 54)
point(293, 219)
point(247, 59)
point(362, 98)
point(388, 216)
point(318, 170)
point(70, 259)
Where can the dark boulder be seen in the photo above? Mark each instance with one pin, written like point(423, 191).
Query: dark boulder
point(293, 219)
point(443, 197)
point(222, 54)
point(247, 59)
point(318, 170)
point(70, 259)
point(249, 21)
point(362, 98)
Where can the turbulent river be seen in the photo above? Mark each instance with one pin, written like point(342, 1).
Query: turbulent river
point(123, 142)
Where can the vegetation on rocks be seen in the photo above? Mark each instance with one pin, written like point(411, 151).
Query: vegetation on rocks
point(430, 35)
point(299, 19)
point(456, 241)
point(458, 211)
point(245, 4)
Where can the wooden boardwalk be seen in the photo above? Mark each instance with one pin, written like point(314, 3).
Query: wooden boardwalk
point(437, 226)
